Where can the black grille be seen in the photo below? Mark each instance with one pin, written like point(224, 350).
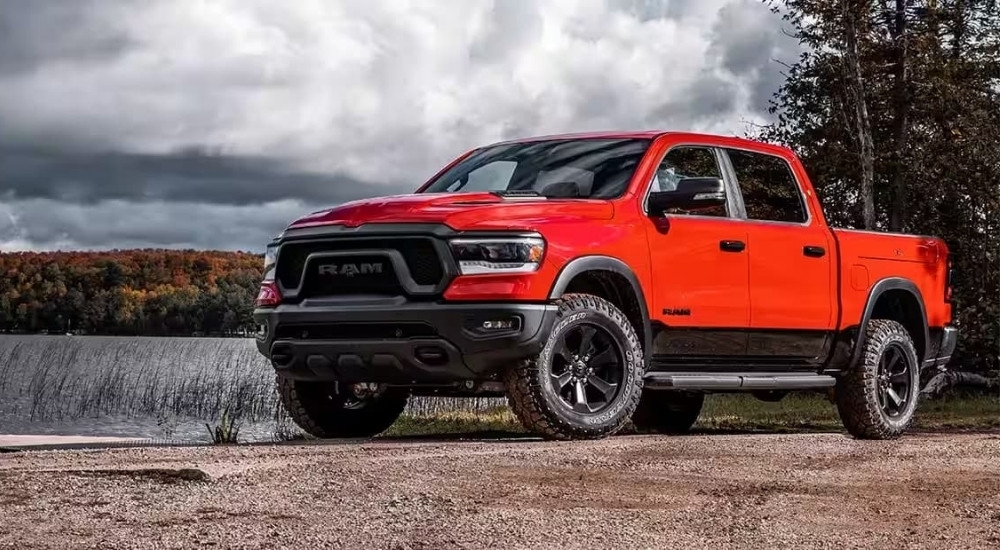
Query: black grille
point(419, 253)
point(353, 331)
point(423, 261)
point(361, 274)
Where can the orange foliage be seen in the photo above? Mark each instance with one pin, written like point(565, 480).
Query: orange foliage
point(128, 291)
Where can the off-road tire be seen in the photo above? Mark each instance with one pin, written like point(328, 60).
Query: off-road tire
point(667, 412)
point(319, 410)
point(857, 390)
point(541, 410)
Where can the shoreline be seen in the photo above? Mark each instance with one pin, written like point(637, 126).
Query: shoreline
point(28, 441)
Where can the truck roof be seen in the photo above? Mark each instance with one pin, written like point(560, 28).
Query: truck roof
point(639, 134)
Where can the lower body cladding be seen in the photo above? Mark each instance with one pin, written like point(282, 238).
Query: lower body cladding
point(399, 342)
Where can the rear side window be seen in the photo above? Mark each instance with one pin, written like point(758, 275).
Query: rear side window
point(768, 185)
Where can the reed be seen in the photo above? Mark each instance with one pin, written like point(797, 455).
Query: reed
point(67, 378)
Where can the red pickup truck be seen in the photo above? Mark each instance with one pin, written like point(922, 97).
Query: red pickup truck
point(599, 278)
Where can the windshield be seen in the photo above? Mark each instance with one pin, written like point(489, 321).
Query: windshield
point(565, 168)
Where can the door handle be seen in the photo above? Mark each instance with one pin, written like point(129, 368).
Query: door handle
point(814, 251)
point(732, 246)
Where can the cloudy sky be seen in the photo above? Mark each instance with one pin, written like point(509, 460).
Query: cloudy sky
point(213, 123)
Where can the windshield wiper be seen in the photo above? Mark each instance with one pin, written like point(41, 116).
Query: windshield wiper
point(516, 193)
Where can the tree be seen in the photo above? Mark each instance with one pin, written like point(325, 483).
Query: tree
point(925, 75)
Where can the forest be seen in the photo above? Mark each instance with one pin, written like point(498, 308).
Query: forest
point(894, 108)
point(129, 292)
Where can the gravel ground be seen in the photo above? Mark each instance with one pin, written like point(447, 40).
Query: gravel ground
point(704, 491)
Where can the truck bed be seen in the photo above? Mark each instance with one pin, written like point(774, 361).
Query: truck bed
point(867, 257)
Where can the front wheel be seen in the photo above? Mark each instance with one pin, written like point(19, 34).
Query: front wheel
point(587, 380)
point(331, 410)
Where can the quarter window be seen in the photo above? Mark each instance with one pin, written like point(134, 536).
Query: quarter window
point(768, 186)
point(687, 162)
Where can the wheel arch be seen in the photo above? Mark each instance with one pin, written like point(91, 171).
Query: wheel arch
point(625, 290)
point(900, 300)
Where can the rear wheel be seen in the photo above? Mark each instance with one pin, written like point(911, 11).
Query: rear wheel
point(877, 397)
point(668, 412)
point(586, 382)
point(330, 410)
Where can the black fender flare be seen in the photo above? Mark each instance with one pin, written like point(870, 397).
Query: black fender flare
point(879, 288)
point(607, 263)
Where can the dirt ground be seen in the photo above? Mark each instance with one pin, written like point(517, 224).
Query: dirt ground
point(703, 491)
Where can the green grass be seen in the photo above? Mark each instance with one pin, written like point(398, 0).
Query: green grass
point(733, 413)
point(500, 419)
point(960, 413)
point(227, 431)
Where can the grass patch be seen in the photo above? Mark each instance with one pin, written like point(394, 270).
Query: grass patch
point(729, 413)
point(812, 412)
point(496, 420)
point(742, 412)
point(980, 412)
point(227, 431)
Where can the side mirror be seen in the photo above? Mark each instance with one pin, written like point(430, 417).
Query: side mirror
point(691, 194)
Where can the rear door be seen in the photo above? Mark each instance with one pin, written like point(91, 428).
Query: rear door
point(699, 265)
point(791, 261)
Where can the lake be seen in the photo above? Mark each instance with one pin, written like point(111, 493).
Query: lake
point(159, 388)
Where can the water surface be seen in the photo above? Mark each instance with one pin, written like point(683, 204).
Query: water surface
point(161, 388)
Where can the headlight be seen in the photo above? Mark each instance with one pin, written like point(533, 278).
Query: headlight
point(498, 255)
point(270, 258)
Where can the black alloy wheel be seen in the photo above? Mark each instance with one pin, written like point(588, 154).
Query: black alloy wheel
point(587, 380)
point(587, 369)
point(895, 385)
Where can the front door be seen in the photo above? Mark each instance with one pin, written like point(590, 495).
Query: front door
point(700, 268)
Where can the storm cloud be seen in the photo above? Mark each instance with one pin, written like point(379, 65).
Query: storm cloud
point(186, 123)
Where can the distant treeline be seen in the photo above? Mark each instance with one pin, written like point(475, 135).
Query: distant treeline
point(133, 292)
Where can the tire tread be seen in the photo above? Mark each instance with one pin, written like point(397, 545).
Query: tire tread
point(524, 393)
point(855, 392)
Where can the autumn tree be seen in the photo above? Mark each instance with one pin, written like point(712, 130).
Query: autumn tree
point(135, 292)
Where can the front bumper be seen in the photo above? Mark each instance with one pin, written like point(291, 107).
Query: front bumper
point(946, 344)
point(398, 342)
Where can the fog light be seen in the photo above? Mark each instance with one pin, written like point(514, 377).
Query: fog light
point(511, 323)
point(477, 326)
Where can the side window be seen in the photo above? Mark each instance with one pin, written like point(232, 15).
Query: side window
point(688, 162)
point(768, 185)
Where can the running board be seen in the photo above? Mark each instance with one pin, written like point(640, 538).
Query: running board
point(737, 381)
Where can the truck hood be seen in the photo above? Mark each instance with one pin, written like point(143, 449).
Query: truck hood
point(460, 211)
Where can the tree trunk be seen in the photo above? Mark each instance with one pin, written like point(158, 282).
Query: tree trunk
point(856, 90)
point(901, 114)
point(941, 382)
